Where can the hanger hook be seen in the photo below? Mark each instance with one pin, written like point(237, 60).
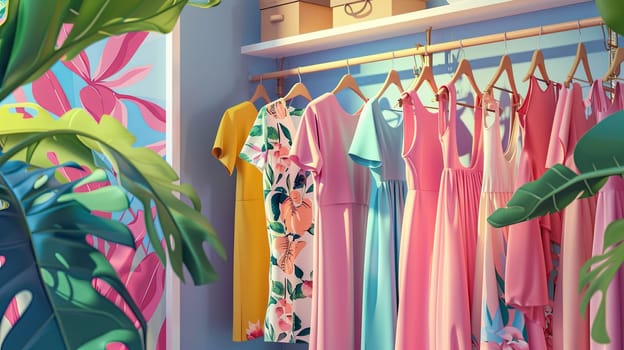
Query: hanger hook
point(578, 23)
point(506, 48)
point(299, 73)
point(539, 38)
point(461, 49)
point(393, 57)
point(348, 67)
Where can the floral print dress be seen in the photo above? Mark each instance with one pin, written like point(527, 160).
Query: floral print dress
point(288, 193)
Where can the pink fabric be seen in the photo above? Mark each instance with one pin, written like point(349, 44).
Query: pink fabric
point(341, 193)
point(529, 261)
point(610, 207)
point(570, 330)
point(423, 158)
point(454, 246)
point(499, 326)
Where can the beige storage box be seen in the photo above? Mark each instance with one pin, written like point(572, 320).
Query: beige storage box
point(282, 18)
point(353, 11)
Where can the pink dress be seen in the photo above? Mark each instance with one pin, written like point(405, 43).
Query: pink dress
point(341, 194)
point(529, 284)
point(454, 246)
point(500, 326)
point(610, 207)
point(423, 160)
point(570, 330)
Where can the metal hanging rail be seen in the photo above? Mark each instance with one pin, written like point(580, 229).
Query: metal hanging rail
point(430, 49)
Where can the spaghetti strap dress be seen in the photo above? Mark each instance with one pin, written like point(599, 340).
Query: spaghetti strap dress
point(423, 165)
point(529, 268)
point(501, 326)
point(341, 196)
point(454, 246)
point(377, 146)
point(570, 329)
point(610, 207)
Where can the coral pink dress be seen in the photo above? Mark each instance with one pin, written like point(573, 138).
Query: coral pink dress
point(529, 284)
point(610, 207)
point(423, 160)
point(454, 246)
point(341, 193)
point(570, 330)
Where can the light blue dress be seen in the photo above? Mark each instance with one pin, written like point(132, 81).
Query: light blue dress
point(377, 144)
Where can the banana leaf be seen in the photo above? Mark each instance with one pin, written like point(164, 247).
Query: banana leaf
point(47, 258)
point(598, 155)
point(28, 37)
point(139, 170)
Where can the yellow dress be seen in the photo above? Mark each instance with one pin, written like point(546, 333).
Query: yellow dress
point(251, 248)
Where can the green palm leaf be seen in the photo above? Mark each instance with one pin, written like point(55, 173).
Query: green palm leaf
point(598, 155)
point(44, 224)
point(139, 170)
point(28, 38)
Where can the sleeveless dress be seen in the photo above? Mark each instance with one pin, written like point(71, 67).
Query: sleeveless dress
point(454, 246)
point(288, 206)
point(423, 158)
point(251, 249)
point(341, 195)
point(529, 277)
point(610, 207)
point(570, 329)
point(501, 326)
point(377, 146)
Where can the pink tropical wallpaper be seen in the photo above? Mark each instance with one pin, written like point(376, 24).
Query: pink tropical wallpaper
point(123, 76)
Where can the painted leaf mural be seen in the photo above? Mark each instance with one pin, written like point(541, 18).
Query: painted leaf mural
point(123, 76)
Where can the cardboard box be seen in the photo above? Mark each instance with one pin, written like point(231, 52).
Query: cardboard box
point(272, 3)
point(354, 11)
point(282, 18)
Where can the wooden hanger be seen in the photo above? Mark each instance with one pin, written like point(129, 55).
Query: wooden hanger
point(503, 67)
point(391, 79)
point(426, 75)
point(464, 68)
point(348, 82)
point(537, 62)
point(260, 93)
point(614, 68)
point(581, 57)
point(298, 90)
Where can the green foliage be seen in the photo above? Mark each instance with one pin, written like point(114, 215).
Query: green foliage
point(139, 170)
point(28, 38)
point(598, 155)
point(44, 224)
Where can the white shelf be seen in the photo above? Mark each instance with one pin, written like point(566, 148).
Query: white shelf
point(456, 13)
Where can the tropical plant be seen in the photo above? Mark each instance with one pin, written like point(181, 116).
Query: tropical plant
point(598, 155)
point(46, 263)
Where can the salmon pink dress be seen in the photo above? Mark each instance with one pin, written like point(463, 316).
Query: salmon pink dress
point(454, 246)
point(610, 207)
point(529, 277)
point(423, 158)
point(341, 194)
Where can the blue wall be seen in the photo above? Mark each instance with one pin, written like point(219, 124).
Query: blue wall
point(214, 77)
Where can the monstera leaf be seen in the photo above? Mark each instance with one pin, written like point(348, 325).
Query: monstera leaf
point(29, 33)
point(140, 171)
point(48, 263)
point(598, 155)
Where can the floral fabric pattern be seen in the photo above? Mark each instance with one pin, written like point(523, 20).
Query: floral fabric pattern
point(288, 193)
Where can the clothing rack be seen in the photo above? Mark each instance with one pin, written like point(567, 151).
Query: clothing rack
point(430, 49)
